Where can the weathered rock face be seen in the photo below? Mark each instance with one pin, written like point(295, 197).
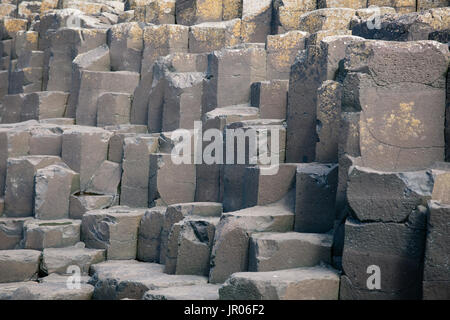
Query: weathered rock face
point(19, 265)
point(40, 234)
point(409, 27)
point(53, 186)
point(31, 290)
point(393, 196)
point(11, 232)
point(20, 183)
point(111, 283)
point(397, 249)
point(408, 136)
point(277, 251)
point(313, 135)
point(194, 292)
point(311, 68)
point(230, 251)
point(313, 182)
point(290, 284)
point(435, 276)
point(114, 229)
point(149, 236)
point(60, 260)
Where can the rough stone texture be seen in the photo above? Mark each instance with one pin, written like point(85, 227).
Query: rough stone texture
point(11, 232)
point(408, 27)
point(149, 236)
point(13, 143)
point(136, 170)
point(176, 213)
point(194, 292)
point(271, 135)
point(53, 186)
point(428, 4)
point(31, 290)
point(111, 283)
point(58, 260)
point(210, 36)
point(9, 26)
point(12, 107)
point(392, 195)
point(19, 191)
point(328, 118)
point(354, 4)
point(156, 11)
point(318, 63)
point(277, 251)
point(182, 100)
point(170, 183)
point(114, 229)
point(65, 44)
point(281, 52)
point(59, 233)
point(209, 177)
point(84, 149)
point(126, 45)
point(270, 97)
point(230, 250)
point(230, 75)
point(287, 14)
point(93, 84)
point(401, 6)
point(256, 17)
point(44, 105)
point(315, 283)
point(45, 140)
point(161, 40)
point(316, 186)
point(194, 246)
point(325, 19)
point(410, 135)
point(397, 248)
point(80, 204)
point(189, 12)
point(97, 59)
point(260, 189)
point(106, 179)
point(437, 254)
point(113, 109)
point(19, 265)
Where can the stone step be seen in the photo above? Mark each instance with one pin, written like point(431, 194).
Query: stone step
point(195, 211)
point(19, 265)
point(267, 184)
point(315, 283)
point(194, 292)
point(270, 251)
point(270, 97)
point(189, 246)
point(114, 230)
point(11, 232)
point(41, 234)
point(118, 279)
point(315, 197)
point(63, 260)
point(31, 290)
point(231, 241)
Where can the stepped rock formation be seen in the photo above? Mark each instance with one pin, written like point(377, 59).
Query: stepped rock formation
point(225, 149)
